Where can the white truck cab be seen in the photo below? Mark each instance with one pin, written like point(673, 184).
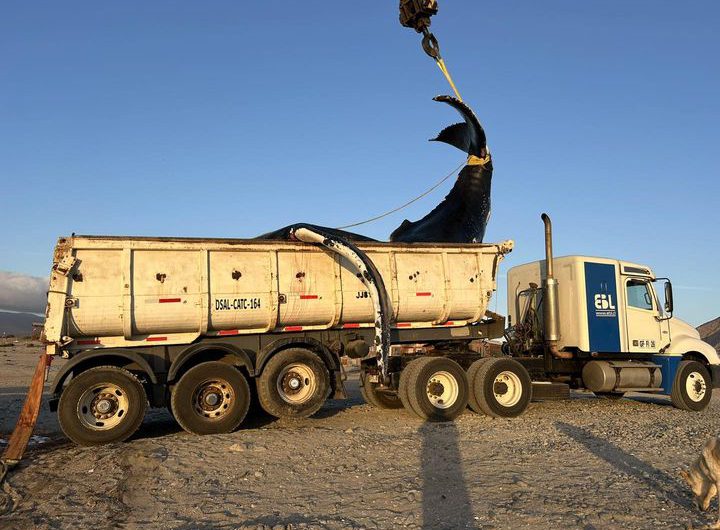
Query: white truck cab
point(608, 305)
point(619, 314)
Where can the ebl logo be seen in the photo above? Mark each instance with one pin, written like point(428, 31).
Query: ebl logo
point(604, 301)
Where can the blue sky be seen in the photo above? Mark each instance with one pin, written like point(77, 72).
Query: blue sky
point(229, 119)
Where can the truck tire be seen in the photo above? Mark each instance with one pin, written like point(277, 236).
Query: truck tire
point(210, 398)
point(102, 405)
point(692, 387)
point(294, 384)
point(381, 400)
point(437, 389)
point(471, 374)
point(502, 388)
point(407, 376)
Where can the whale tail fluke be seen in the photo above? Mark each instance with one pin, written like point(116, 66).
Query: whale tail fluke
point(468, 136)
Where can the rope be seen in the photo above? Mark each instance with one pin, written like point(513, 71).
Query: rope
point(407, 203)
point(473, 160)
point(443, 68)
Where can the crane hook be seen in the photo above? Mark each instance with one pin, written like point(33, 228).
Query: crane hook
point(431, 45)
point(416, 14)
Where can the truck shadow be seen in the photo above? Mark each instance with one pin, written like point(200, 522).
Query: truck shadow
point(659, 481)
point(661, 401)
point(445, 498)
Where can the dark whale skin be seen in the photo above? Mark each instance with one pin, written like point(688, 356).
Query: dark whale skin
point(463, 215)
point(285, 233)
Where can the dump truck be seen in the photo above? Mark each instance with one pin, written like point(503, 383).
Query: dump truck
point(205, 326)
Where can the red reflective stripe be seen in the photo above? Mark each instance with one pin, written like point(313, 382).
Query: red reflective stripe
point(292, 328)
point(169, 300)
point(229, 332)
point(349, 326)
point(445, 324)
point(155, 339)
point(423, 294)
point(404, 324)
point(308, 297)
point(85, 342)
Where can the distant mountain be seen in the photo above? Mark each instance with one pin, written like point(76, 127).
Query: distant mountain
point(18, 324)
point(710, 333)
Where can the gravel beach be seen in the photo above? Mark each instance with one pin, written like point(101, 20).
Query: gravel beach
point(582, 463)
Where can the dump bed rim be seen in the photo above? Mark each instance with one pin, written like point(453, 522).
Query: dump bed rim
point(240, 241)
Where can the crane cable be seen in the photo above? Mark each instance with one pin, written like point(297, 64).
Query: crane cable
point(432, 48)
point(443, 68)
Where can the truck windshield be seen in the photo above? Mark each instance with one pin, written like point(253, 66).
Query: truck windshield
point(638, 294)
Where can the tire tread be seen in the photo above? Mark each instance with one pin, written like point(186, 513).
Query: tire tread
point(179, 392)
point(417, 390)
point(76, 434)
point(272, 403)
point(376, 399)
point(677, 393)
point(407, 378)
point(472, 374)
point(479, 389)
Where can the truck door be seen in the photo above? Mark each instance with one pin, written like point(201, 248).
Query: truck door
point(643, 331)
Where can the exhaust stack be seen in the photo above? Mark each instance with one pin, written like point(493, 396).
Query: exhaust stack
point(551, 313)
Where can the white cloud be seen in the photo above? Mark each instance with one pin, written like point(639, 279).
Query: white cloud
point(20, 292)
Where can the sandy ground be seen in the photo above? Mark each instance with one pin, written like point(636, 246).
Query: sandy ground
point(582, 463)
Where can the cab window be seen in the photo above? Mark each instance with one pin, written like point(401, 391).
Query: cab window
point(638, 294)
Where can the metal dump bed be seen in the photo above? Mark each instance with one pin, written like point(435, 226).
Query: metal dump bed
point(131, 291)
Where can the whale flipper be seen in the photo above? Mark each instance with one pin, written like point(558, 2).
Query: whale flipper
point(456, 135)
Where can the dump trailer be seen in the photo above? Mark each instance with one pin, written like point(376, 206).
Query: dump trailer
point(607, 326)
point(205, 326)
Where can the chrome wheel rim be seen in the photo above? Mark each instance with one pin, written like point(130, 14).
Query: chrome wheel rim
point(296, 383)
point(442, 390)
point(507, 388)
point(695, 386)
point(102, 406)
point(213, 398)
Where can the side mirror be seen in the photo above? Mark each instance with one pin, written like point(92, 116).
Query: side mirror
point(668, 297)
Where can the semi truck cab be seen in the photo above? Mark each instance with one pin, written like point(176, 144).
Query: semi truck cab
point(610, 306)
point(607, 325)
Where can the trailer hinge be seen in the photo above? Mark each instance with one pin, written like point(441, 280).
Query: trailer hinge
point(65, 265)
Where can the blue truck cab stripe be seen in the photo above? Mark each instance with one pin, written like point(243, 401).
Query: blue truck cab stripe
point(668, 365)
point(602, 307)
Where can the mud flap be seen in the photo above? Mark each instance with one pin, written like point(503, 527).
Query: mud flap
point(340, 378)
point(26, 421)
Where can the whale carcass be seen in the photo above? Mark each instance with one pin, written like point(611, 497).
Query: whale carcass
point(463, 215)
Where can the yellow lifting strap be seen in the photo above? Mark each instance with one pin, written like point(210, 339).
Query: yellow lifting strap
point(443, 68)
point(477, 161)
